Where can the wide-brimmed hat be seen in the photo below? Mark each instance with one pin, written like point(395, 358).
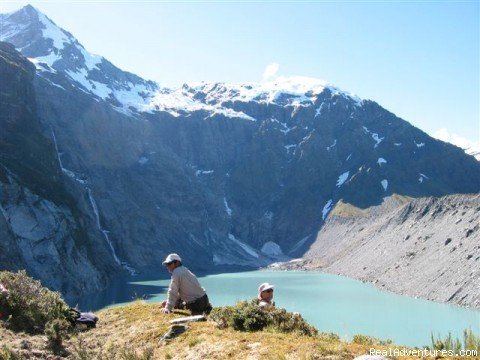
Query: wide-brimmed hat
point(265, 286)
point(170, 258)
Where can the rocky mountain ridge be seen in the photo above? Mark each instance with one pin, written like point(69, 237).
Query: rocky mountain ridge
point(224, 174)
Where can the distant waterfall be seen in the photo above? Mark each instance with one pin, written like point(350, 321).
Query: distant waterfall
point(56, 148)
point(67, 172)
point(105, 233)
point(93, 203)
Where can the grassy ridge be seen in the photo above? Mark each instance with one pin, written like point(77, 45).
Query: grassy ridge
point(134, 332)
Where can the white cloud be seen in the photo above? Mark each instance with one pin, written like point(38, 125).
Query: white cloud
point(470, 147)
point(270, 71)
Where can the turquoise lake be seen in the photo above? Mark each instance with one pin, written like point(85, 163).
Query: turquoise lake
point(329, 302)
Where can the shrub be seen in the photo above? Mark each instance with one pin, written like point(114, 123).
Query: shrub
point(248, 316)
point(57, 330)
point(370, 340)
point(470, 342)
point(27, 304)
point(329, 337)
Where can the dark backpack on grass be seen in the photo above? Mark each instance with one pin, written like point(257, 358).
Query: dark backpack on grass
point(88, 319)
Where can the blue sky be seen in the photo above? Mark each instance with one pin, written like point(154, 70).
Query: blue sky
point(418, 59)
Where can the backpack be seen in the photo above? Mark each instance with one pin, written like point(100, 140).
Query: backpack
point(82, 319)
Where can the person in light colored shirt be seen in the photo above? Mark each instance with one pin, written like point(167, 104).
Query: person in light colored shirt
point(265, 295)
point(184, 289)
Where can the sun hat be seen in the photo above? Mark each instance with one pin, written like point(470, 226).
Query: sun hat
point(264, 286)
point(170, 258)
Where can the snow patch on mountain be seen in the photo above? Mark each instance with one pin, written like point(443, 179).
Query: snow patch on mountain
point(286, 129)
point(333, 145)
point(381, 161)
point(203, 172)
point(49, 60)
point(306, 138)
point(318, 112)
point(384, 183)
point(227, 208)
point(143, 160)
point(178, 102)
point(342, 178)
point(271, 249)
point(326, 209)
point(290, 146)
point(375, 136)
point(247, 248)
point(53, 32)
point(421, 177)
point(99, 89)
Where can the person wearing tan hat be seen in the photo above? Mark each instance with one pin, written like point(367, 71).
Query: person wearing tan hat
point(265, 295)
point(184, 288)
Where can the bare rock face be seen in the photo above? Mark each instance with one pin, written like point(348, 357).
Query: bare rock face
point(426, 247)
point(40, 223)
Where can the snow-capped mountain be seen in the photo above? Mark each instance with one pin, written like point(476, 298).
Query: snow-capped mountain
point(53, 49)
point(225, 174)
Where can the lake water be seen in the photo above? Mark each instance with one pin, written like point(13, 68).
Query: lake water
point(329, 302)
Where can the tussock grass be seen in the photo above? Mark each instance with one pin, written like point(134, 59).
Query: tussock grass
point(370, 340)
point(470, 342)
point(346, 210)
point(143, 324)
point(343, 209)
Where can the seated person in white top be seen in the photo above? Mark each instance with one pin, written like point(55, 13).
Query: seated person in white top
point(184, 288)
point(265, 295)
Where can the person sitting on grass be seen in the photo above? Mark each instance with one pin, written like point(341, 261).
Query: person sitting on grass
point(184, 289)
point(265, 295)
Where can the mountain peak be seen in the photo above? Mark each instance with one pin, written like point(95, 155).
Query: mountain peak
point(55, 51)
point(34, 34)
point(29, 9)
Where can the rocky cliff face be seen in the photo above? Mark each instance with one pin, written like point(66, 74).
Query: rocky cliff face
point(43, 229)
point(241, 174)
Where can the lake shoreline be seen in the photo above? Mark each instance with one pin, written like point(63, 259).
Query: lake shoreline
point(313, 265)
